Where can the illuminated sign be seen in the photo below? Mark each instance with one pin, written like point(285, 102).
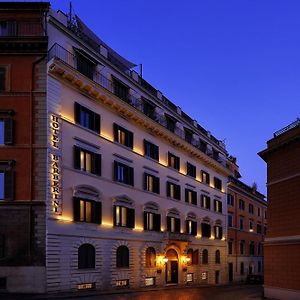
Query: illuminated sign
point(189, 277)
point(86, 286)
point(121, 283)
point(149, 281)
point(55, 165)
point(204, 276)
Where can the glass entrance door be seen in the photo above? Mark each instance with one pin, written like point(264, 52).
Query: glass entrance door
point(172, 271)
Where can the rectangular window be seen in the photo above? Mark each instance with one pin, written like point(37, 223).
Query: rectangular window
point(230, 244)
point(151, 183)
point(170, 123)
point(85, 65)
point(230, 200)
point(205, 201)
point(230, 220)
point(241, 204)
point(242, 247)
point(251, 209)
point(87, 161)
point(251, 226)
point(258, 228)
point(258, 211)
point(151, 221)
point(191, 196)
point(188, 135)
point(123, 173)
point(121, 90)
point(123, 136)
point(151, 150)
point(7, 180)
point(87, 118)
point(218, 206)
point(206, 230)
point(191, 227)
point(241, 223)
point(218, 232)
point(3, 74)
point(173, 224)
point(190, 170)
point(173, 190)
point(205, 177)
point(2, 185)
point(87, 211)
point(265, 214)
point(242, 268)
point(173, 161)
point(252, 248)
point(124, 216)
point(217, 183)
point(259, 267)
point(2, 246)
point(149, 109)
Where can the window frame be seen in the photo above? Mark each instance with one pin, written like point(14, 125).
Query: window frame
point(127, 173)
point(191, 170)
point(129, 221)
point(86, 256)
point(152, 149)
point(122, 258)
point(128, 136)
point(205, 177)
point(155, 184)
point(173, 158)
point(176, 190)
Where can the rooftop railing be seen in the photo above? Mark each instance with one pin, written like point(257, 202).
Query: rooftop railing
point(21, 28)
point(287, 128)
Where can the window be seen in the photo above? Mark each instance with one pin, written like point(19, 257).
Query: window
point(230, 246)
point(122, 257)
point(6, 127)
point(206, 231)
point(193, 255)
point(218, 232)
point(7, 180)
point(242, 247)
point(190, 196)
point(149, 109)
point(258, 228)
point(259, 249)
point(191, 227)
point(218, 206)
point(251, 226)
point(8, 28)
point(87, 161)
point(86, 256)
point(230, 220)
point(258, 211)
point(124, 216)
point(190, 170)
point(202, 146)
point(151, 221)
point(173, 224)
point(173, 161)
point(87, 211)
point(251, 209)
point(188, 135)
point(2, 246)
point(150, 257)
point(242, 268)
point(265, 230)
point(217, 183)
point(205, 201)
point(252, 248)
point(123, 173)
point(218, 257)
point(241, 204)
point(265, 214)
point(121, 90)
point(205, 177)
point(241, 223)
point(151, 183)
point(123, 136)
point(205, 257)
point(170, 123)
point(87, 118)
point(173, 190)
point(151, 150)
point(259, 269)
point(230, 200)
point(4, 76)
point(85, 64)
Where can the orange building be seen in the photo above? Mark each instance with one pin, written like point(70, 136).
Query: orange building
point(282, 243)
point(246, 229)
point(23, 56)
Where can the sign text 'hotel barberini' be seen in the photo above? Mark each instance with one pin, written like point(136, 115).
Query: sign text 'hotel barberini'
point(55, 162)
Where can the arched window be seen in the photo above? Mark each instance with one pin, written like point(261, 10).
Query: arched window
point(122, 257)
point(205, 256)
point(218, 257)
point(86, 256)
point(190, 256)
point(150, 257)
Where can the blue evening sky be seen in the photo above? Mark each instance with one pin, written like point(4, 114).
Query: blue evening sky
point(232, 65)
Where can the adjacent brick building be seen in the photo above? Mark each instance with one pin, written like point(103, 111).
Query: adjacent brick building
point(282, 243)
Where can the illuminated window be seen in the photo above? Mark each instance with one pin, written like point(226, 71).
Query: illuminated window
point(86, 257)
point(218, 206)
point(173, 161)
point(205, 177)
point(191, 227)
point(218, 232)
point(124, 216)
point(123, 136)
point(151, 150)
point(191, 196)
point(87, 118)
point(123, 173)
point(122, 258)
point(190, 170)
point(205, 201)
point(173, 190)
point(151, 221)
point(173, 224)
point(87, 161)
point(151, 183)
point(87, 211)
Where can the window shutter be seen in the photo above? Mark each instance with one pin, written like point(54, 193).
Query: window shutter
point(221, 207)
point(115, 217)
point(97, 164)
point(215, 205)
point(130, 176)
point(145, 181)
point(157, 221)
point(177, 163)
point(76, 209)
point(77, 112)
point(156, 185)
point(177, 225)
point(202, 201)
point(194, 228)
point(177, 192)
point(208, 202)
point(130, 139)
point(76, 157)
point(115, 175)
point(97, 123)
point(215, 230)
point(168, 189)
point(9, 189)
point(130, 218)
point(186, 195)
point(169, 223)
point(169, 159)
point(116, 132)
point(221, 232)
point(98, 212)
point(194, 198)
point(145, 147)
point(145, 221)
point(187, 226)
point(8, 131)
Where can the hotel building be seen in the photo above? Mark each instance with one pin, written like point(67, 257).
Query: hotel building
point(125, 189)
point(282, 243)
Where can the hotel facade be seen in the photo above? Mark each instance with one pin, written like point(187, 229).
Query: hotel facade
point(131, 190)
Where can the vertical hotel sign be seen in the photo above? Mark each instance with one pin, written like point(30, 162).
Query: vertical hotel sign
point(55, 164)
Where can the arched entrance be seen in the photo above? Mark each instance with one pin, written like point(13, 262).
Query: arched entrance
point(172, 266)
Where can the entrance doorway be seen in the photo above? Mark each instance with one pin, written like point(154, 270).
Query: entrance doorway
point(230, 272)
point(172, 267)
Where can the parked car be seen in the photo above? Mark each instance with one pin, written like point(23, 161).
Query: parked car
point(255, 279)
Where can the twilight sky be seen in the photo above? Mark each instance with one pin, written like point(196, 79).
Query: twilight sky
point(232, 65)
